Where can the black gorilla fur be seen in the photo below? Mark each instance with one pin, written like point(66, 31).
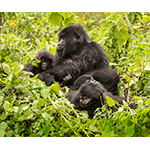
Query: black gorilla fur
point(46, 62)
point(86, 56)
point(87, 94)
point(107, 77)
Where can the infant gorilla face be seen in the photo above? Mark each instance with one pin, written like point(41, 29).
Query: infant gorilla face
point(45, 63)
point(86, 93)
point(46, 59)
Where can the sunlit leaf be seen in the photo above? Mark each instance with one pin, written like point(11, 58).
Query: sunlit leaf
point(110, 101)
point(55, 87)
point(55, 18)
point(122, 36)
point(147, 102)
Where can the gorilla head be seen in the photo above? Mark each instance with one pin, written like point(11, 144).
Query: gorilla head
point(71, 38)
point(46, 59)
point(46, 62)
point(87, 95)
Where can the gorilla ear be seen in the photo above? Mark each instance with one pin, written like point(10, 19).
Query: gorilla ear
point(79, 37)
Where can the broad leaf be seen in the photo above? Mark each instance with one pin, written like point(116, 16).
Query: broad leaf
point(122, 36)
point(55, 87)
point(45, 92)
point(55, 18)
point(110, 101)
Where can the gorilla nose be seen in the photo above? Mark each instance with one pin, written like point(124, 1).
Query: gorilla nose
point(44, 65)
point(60, 45)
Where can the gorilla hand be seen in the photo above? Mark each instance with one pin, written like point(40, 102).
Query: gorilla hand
point(66, 79)
point(47, 78)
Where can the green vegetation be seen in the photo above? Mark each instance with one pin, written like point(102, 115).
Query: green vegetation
point(29, 108)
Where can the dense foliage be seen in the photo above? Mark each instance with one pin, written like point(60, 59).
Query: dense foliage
point(29, 108)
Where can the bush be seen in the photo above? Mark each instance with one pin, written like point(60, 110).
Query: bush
point(29, 108)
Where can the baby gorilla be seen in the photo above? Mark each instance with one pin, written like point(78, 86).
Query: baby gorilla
point(46, 62)
point(90, 95)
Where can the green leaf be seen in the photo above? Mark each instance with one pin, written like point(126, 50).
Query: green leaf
point(9, 133)
point(113, 18)
point(3, 116)
point(7, 68)
point(10, 77)
point(147, 67)
point(104, 31)
point(113, 64)
point(26, 40)
point(55, 88)
point(130, 131)
point(2, 133)
point(55, 18)
point(147, 102)
point(110, 101)
point(6, 105)
point(37, 41)
point(35, 62)
point(122, 36)
point(43, 43)
point(46, 129)
point(40, 103)
point(2, 46)
point(66, 14)
point(7, 59)
point(45, 115)
point(84, 114)
point(3, 126)
point(1, 100)
point(93, 128)
point(45, 92)
point(26, 116)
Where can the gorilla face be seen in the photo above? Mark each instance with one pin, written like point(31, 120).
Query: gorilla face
point(46, 60)
point(45, 63)
point(70, 39)
point(87, 94)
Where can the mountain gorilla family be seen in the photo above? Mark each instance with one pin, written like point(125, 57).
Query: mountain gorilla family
point(77, 56)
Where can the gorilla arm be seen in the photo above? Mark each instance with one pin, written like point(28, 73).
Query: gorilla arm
point(30, 68)
point(62, 71)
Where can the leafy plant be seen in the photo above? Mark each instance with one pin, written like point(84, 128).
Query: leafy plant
point(29, 108)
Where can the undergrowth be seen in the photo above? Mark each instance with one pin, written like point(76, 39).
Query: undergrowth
point(29, 108)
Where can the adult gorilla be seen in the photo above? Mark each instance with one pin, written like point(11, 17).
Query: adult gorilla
point(76, 54)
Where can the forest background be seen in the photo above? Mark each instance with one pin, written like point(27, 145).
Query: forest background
point(29, 108)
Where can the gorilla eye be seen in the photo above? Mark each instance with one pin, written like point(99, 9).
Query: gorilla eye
point(62, 37)
point(76, 36)
point(50, 60)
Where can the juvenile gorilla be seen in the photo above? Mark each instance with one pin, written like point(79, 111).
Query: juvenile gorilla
point(86, 95)
point(86, 56)
point(46, 62)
